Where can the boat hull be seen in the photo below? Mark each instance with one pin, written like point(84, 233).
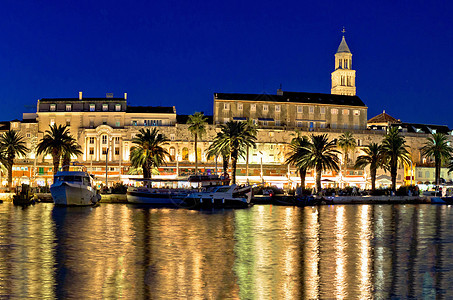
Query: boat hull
point(145, 196)
point(73, 194)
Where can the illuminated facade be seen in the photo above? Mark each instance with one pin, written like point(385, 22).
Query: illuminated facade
point(343, 78)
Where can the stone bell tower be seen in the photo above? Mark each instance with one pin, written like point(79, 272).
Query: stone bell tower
point(343, 78)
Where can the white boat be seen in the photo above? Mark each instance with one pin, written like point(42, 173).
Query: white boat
point(74, 188)
point(169, 192)
point(229, 196)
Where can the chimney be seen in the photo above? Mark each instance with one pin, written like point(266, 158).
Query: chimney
point(80, 95)
point(280, 91)
point(125, 96)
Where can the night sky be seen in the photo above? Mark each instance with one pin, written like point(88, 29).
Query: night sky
point(180, 52)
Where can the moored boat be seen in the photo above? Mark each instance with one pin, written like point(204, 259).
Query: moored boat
point(228, 196)
point(74, 188)
point(170, 192)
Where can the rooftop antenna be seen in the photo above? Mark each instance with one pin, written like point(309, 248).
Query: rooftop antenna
point(343, 31)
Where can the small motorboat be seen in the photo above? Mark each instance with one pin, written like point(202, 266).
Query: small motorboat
point(74, 188)
point(226, 196)
point(24, 196)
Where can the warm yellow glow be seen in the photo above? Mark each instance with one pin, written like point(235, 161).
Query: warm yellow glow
point(340, 258)
point(365, 256)
point(312, 254)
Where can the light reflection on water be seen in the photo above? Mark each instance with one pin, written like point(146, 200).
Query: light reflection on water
point(266, 252)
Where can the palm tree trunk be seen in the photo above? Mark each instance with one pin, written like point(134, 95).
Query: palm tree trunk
point(318, 179)
point(196, 154)
point(247, 162)
point(56, 163)
point(234, 158)
point(437, 164)
point(10, 175)
point(302, 174)
point(225, 165)
point(393, 173)
point(373, 179)
point(65, 162)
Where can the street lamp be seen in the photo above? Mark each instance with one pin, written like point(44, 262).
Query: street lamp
point(261, 167)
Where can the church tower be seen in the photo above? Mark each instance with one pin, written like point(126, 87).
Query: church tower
point(343, 78)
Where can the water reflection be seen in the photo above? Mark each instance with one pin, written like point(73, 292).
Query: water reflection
point(265, 252)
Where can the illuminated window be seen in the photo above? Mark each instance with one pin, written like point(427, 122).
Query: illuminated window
point(134, 123)
point(172, 153)
point(265, 108)
point(68, 122)
point(240, 106)
point(346, 112)
point(334, 111)
point(104, 139)
point(322, 110)
point(356, 112)
point(52, 122)
point(117, 151)
point(91, 139)
point(277, 108)
point(91, 151)
point(105, 107)
point(92, 107)
point(53, 107)
point(68, 107)
point(252, 107)
point(117, 123)
point(299, 109)
point(226, 106)
point(185, 153)
point(104, 151)
point(118, 107)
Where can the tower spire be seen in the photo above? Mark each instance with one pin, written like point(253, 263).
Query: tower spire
point(343, 78)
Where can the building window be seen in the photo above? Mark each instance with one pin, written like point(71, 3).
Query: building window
point(311, 109)
point(345, 112)
point(118, 107)
point(277, 122)
point(28, 135)
point(172, 137)
point(104, 139)
point(426, 174)
point(117, 123)
point(265, 108)
point(226, 106)
point(356, 112)
point(277, 108)
point(265, 123)
point(53, 107)
point(359, 143)
point(299, 123)
point(134, 123)
point(240, 106)
point(172, 153)
point(104, 151)
point(185, 153)
point(91, 123)
point(272, 146)
point(52, 122)
point(92, 107)
point(105, 107)
point(68, 107)
point(252, 107)
point(68, 122)
point(117, 151)
point(116, 139)
point(91, 151)
point(299, 109)
point(91, 140)
point(334, 111)
point(322, 110)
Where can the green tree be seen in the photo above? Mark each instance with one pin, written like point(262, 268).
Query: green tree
point(197, 128)
point(12, 144)
point(252, 128)
point(346, 143)
point(321, 156)
point(235, 136)
point(148, 152)
point(373, 158)
point(70, 149)
point(54, 142)
point(297, 156)
point(394, 151)
point(437, 146)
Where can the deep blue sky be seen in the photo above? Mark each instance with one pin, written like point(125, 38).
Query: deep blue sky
point(181, 52)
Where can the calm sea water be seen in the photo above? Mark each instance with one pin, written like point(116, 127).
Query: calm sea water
point(265, 252)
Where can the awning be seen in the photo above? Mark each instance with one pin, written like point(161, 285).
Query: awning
point(266, 119)
point(239, 118)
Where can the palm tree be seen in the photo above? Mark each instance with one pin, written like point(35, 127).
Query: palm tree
point(297, 156)
point(252, 128)
point(54, 142)
point(346, 143)
point(437, 146)
point(321, 156)
point(197, 127)
point(12, 144)
point(224, 152)
point(394, 151)
point(372, 157)
point(148, 152)
point(234, 135)
point(71, 148)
